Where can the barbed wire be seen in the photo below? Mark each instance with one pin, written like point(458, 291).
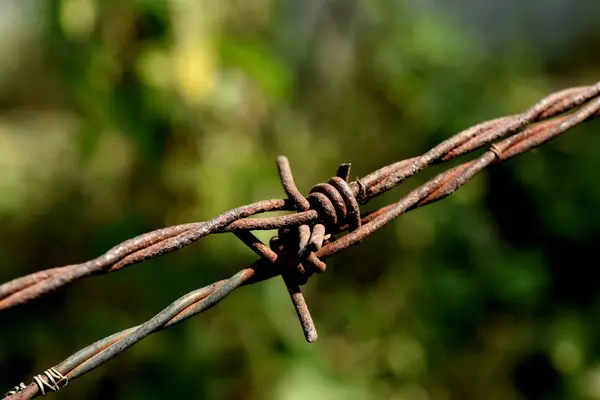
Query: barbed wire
point(307, 237)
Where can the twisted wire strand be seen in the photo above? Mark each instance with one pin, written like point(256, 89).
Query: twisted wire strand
point(305, 235)
point(165, 240)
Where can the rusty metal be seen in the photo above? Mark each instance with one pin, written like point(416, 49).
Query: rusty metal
point(305, 238)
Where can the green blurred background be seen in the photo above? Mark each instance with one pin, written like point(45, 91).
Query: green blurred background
point(119, 117)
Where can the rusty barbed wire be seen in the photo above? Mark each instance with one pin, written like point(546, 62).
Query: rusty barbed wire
point(306, 238)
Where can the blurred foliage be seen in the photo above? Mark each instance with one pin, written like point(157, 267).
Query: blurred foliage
point(121, 117)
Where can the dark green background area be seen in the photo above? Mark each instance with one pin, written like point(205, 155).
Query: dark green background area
point(117, 118)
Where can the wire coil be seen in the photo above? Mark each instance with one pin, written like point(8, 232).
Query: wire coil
point(54, 380)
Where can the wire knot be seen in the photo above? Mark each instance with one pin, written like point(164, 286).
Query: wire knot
point(337, 209)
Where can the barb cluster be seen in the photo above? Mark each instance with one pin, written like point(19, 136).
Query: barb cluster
point(305, 238)
point(337, 210)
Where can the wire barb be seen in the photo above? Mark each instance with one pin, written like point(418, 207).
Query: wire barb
point(305, 238)
point(337, 210)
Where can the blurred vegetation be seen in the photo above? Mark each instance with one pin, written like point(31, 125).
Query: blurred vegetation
point(121, 117)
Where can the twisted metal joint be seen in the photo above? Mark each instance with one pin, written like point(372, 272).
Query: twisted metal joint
point(337, 210)
point(51, 379)
point(17, 389)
